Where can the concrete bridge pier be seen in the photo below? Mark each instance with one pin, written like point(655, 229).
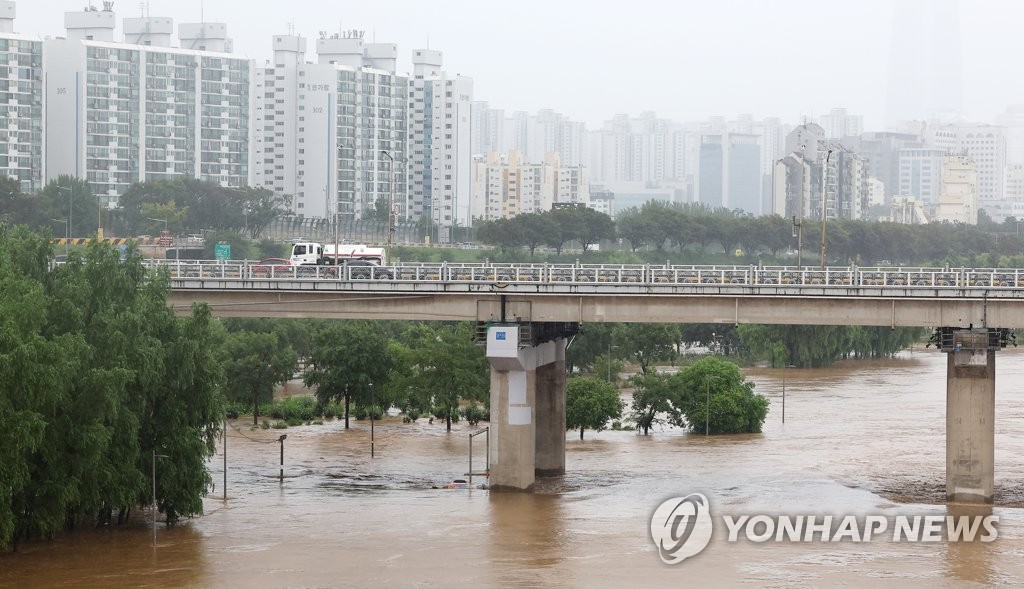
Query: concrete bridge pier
point(970, 413)
point(527, 408)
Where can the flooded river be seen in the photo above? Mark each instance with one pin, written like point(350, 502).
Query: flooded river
point(859, 438)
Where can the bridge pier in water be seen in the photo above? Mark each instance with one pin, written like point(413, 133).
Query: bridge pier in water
point(970, 412)
point(527, 405)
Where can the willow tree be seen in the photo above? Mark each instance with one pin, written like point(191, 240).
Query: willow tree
point(97, 375)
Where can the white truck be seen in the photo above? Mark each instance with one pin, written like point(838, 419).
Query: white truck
point(309, 253)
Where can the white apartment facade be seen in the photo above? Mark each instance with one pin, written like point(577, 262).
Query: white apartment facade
point(21, 104)
point(333, 134)
point(120, 113)
point(440, 144)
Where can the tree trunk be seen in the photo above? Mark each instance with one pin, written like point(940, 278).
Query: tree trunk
point(581, 434)
point(255, 409)
point(448, 419)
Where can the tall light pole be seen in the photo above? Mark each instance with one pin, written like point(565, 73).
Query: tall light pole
point(99, 219)
point(784, 367)
point(281, 476)
point(71, 208)
point(65, 222)
point(391, 203)
point(707, 410)
point(824, 205)
point(372, 404)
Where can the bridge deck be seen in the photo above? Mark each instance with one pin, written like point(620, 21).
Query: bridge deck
point(925, 297)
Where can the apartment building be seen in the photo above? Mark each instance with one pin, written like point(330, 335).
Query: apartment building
point(510, 186)
point(124, 112)
point(21, 103)
point(440, 141)
point(333, 134)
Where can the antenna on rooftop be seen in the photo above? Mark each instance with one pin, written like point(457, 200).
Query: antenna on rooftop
point(291, 29)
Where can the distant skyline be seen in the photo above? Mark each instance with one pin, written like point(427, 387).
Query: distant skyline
point(684, 60)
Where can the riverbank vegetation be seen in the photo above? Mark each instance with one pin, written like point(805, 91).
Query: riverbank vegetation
point(97, 376)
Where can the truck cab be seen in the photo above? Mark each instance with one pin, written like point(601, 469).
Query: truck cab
point(307, 253)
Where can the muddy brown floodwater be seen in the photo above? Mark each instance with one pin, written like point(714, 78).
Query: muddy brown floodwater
point(859, 438)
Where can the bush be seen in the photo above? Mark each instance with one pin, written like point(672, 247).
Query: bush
point(439, 413)
point(279, 425)
point(473, 413)
point(366, 411)
point(332, 410)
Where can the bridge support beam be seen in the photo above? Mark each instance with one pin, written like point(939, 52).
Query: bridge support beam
point(550, 399)
point(527, 409)
point(970, 416)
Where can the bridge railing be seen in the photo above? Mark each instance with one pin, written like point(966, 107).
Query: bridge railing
point(626, 274)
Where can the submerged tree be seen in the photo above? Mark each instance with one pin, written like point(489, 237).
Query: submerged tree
point(445, 366)
point(255, 363)
point(346, 361)
point(714, 397)
point(590, 403)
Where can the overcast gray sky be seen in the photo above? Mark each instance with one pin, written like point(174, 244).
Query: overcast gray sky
point(684, 59)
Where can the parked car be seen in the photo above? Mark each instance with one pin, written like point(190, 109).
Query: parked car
point(365, 270)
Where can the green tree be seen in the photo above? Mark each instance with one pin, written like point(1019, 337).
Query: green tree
point(96, 373)
point(590, 403)
point(255, 363)
point(347, 360)
point(652, 396)
point(445, 366)
point(714, 397)
point(647, 343)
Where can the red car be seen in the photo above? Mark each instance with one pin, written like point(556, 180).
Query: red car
point(272, 267)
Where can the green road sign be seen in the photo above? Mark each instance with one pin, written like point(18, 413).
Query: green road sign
point(222, 251)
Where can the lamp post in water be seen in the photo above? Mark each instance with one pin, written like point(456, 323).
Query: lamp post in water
point(155, 456)
point(281, 475)
point(784, 367)
point(372, 408)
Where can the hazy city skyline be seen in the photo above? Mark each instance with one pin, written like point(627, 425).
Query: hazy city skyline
point(590, 61)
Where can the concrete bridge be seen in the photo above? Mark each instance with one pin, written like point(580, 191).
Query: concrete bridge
point(528, 312)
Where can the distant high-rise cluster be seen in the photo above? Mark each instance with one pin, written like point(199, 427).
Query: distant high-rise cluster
point(347, 134)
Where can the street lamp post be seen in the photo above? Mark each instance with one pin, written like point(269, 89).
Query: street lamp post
point(391, 203)
point(99, 219)
point(155, 456)
point(71, 207)
point(372, 404)
point(65, 222)
point(281, 475)
point(824, 205)
point(784, 367)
